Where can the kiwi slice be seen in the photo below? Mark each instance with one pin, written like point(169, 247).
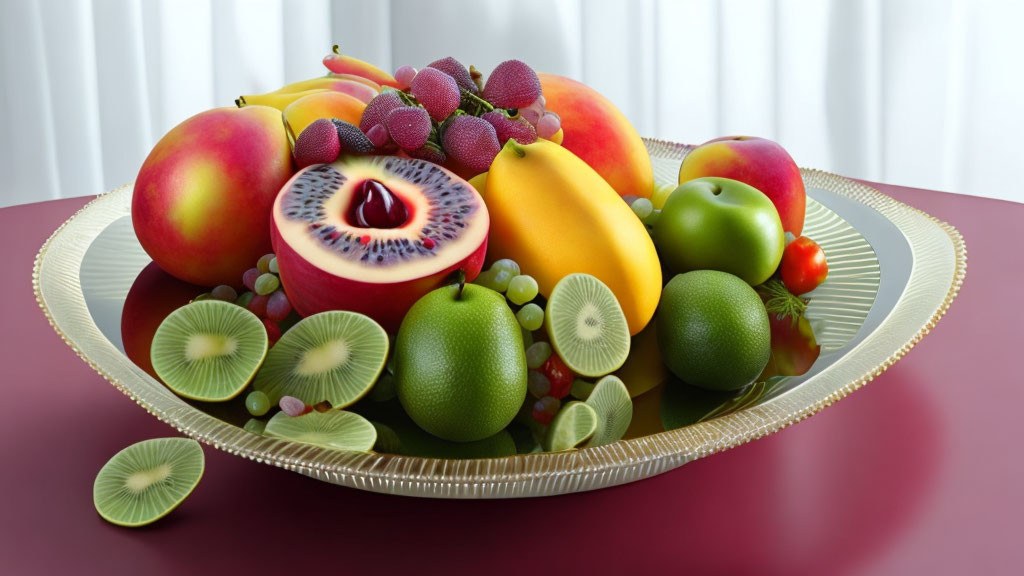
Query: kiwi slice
point(610, 400)
point(332, 356)
point(586, 325)
point(335, 429)
point(209, 350)
point(574, 424)
point(145, 481)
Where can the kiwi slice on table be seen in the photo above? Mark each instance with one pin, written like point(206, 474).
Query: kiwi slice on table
point(332, 356)
point(610, 400)
point(586, 325)
point(209, 350)
point(335, 429)
point(574, 424)
point(145, 481)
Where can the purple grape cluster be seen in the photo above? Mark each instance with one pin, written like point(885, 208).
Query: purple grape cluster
point(442, 112)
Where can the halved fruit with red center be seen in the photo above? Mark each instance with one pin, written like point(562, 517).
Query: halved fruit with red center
point(372, 234)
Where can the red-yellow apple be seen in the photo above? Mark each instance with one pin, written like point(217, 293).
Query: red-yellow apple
point(759, 162)
point(202, 200)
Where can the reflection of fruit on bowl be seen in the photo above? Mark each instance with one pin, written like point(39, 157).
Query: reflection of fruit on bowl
point(153, 296)
point(794, 348)
point(376, 231)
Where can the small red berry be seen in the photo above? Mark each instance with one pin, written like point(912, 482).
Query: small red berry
point(560, 376)
point(273, 331)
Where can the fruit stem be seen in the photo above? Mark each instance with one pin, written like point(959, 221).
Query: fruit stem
point(480, 102)
point(240, 101)
point(516, 147)
point(780, 301)
point(460, 276)
point(336, 49)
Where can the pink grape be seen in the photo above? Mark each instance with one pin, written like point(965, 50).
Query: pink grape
point(292, 406)
point(437, 92)
point(512, 84)
point(506, 127)
point(548, 125)
point(378, 135)
point(456, 70)
point(377, 110)
point(249, 278)
point(409, 127)
point(404, 75)
point(534, 111)
point(530, 115)
point(471, 141)
point(278, 306)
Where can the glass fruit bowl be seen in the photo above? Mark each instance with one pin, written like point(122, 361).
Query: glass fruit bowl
point(894, 271)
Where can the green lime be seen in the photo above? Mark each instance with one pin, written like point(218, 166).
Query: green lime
point(574, 424)
point(713, 330)
point(460, 366)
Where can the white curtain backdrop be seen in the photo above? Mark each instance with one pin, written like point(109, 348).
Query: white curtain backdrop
point(926, 93)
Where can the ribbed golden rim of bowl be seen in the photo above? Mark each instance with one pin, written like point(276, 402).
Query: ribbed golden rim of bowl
point(939, 268)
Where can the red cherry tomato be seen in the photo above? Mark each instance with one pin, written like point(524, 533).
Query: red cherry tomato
point(559, 375)
point(803, 266)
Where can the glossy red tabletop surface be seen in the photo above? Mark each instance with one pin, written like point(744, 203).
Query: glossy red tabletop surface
point(920, 472)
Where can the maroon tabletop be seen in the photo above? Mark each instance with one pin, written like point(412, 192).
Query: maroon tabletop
point(920, 472)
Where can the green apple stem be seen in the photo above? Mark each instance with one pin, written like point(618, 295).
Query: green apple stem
point(460, 277)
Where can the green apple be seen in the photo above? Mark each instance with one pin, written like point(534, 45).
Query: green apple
point(720, 224)
point(460, 366)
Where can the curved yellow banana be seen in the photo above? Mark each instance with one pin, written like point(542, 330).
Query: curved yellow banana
point(274, 100)
point(325, 82)
point(554, 215)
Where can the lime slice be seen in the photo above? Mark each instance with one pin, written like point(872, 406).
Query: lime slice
point(610, 401)
point(574, 424)
point(335, 429)
point(586, 326)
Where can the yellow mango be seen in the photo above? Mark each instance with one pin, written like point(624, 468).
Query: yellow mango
point(554, 215)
